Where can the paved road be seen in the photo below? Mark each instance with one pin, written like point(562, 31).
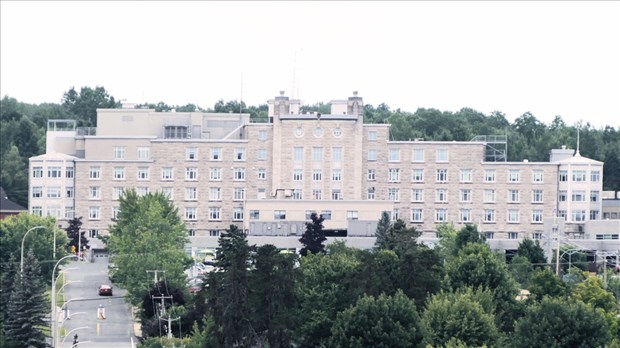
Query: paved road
point(83, 280)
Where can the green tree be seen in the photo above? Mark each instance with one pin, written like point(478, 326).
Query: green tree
point(27, 307)
point(383, 229)
point(377, 273)
point(521, 270)
point(14, 176)
point(401, 238)
point(556, 322)
point(611, 170)
point(158, 302)
point(84, 104)
point(468, 234)
point(545, 283)
point(77, 238)
point(591, 292)
point(385, 321)
point(465, 315)
point(533, 252)
point(148, 235)
point(420, 273)
point(313, 238)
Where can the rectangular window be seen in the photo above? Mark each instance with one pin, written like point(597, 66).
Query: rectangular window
point(562, 214)
point(442, 155)
point(441, 195)
point(69, 173)
point(489, 215)
point(372, 135)
point(53, 192)
point(37, 210)
point(372, 154)
point(69, 212)
point(191, 173)
point(191, 193)
point(238, 214)
point(279, 215)
point(317, 175)
point(563, 175)
point(70, 192)
point(93, 213)
point(326, 214)
point(394, 155)
point(298, 174)
point(262, 154)
point(214, 233)
point(417, 195)
point(239, 174)
point(298, 154)
point(465, 215)
point(489, 196)
point(167, 173)
point(190, 214)
point(117, 192)
point(393, 175)
point(214, 214)
point(94, 192)
point(37, 172)
point(336, 154)
point(489, 175)
point(144, 153)
point(216, 154)
point(54, 172)
point(215, 194)
point(562, 196)
point(167, 191)
point(465, 195)
point(393, 194)
point(466, 175)
point(513, 196)
point(537, 216)
point(442, 175)
point(595, 176)
point(489, 235)
point(53, 211)
point(143, 173)
point(239, 154)
point(37, 192)
point(352, 215)
point(215, 174)
point(191, 154)
point(537, 175)
point(537, 235)
point(297, 194)
point(119, 152)
point(513, 175)
point(513, 235)
point(317, 194)
point(336, 195)
point(175, 132)
point(262, 174)
point(115, 212)
point(441, 215)
point(594, 214)
point(579, 215)
point(594, 196)
point(417, 175)
point(579, 196)
point(537, 196)
point(418, 155)
point(336, 174)
point(513, 216)
point(239, 194)
point(261, 193)
point(141, 191)
point(579, 175)
point(119, 173)
point(372, 174)
point(262, 134)
point(370, 194)
point(94, 173)
point(254, 214)
point(416, 215)
point(317, 154)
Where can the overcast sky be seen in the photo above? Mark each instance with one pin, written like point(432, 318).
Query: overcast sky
point(548, 58)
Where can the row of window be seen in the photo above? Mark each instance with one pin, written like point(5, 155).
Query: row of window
point(465, 175)
point(465, 195)
point(579, 175)
point(191, 153)
point(53, 172)
point(167, 173)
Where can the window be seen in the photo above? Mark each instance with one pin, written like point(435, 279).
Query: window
point(537, 216)
point(594, 196)
point(465, 215)
point(441, 195)
point(53, 192)
point(37, 192)
point(594, 214)
point(144, 153)
point(466, 175)
point(370, 194)
point(537, 235)
point(214, 233)
point(562, 196)
point(372, 154)
point(254, 215)
point(489, 235)
point(563, 175)
point(417, 175)
point(595, 176)
point(416, 215)
point(214, 214)
point(190, 213)
point(441, 215)
point(297, 194)
point(336, 195)
point(175, 132)
point(94, 192)
point(261, 193)
point(239, 154)
point(69, 173)
point(513, 175)
point(53, 211)
point(115, 212)
point(94, 173)
point(336, 174)
point(239, 174)
point(337, 132)
point(141, 191)
point(317, 194)
point(579, 196)
point(119, 173)
point(262, 134)
point(191, 173)
point(239, 194)
point(465, 195)
point(37, 211)
point(143, 173)
point(191, 232)
point(489, 215)
point(489, 196)
point(393, 175)
point(579, 215)
point(119, 152)
point(394, 194)
point(489, 175)
point(352, 215)
point(537, 196)
point(513, 216)
point(298, 174)
point(562, 214)
point(93, 213)
point(215, 174)
point(37, 172)
point(262, 174)
point(372, 135)
point(317, 153)
point(579, 175)
point(394, 155)
point(513, 196)
point(54, 172)
point(69, 212)
point(317, 175)
point(418, 155)
point(417, 195)
point(279, 215)
point(336, 154)
point(372, 174)
point(537, 175)
point(442, 175)
point(262, 154)
point(215, 194)
point(167, 191)
point(191, 154)
point(238, 214)
point(513, 235)
point(298, 154)
point(326, 214)
point(191, 193)
point(442, 155)
point(70, 192)
point(117, 192)
point(216, 154)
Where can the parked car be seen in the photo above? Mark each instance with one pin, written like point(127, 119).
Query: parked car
point(105, 290)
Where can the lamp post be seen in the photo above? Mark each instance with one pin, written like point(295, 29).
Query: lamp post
point(53, 292)
point(21, 263)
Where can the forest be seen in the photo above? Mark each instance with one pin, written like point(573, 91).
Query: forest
point(23, 130)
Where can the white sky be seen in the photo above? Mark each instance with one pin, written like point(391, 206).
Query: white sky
point(549, 58)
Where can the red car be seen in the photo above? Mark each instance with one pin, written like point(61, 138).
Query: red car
point(105, 290)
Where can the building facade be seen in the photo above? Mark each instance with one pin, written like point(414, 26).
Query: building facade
point(267, 178)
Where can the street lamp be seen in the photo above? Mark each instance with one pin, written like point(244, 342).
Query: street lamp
point(21, 263)
point(53, 312)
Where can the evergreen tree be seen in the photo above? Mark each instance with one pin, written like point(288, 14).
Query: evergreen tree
point(383, 228)
point(27, 307)
point(314, 236)
point(533, 252)
point(468, 234)
point(74, 234)
point(400, 238)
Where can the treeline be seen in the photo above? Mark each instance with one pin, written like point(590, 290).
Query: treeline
point(23, 127)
